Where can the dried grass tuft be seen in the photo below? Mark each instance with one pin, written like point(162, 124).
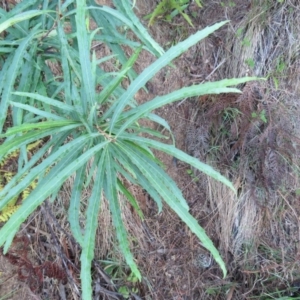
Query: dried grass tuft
point(253, 139)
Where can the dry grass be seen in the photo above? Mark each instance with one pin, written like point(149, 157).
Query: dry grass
point(254, 140)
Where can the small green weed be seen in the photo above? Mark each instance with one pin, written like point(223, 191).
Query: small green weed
point(216, 291)
point(117, 272)
point(261, 116)
point(239, 32)
point(230, 4)
point(250, 62)
point(246, 42)
point(230, 114)
point(168, 9)
point(192, 174)
point(279, 71)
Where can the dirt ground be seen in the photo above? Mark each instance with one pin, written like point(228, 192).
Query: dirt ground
point(250, 138)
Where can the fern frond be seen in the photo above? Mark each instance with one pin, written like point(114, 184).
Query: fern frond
point(11, 156)
point(8, 176)
point(26, 193)
point(15, 154)
point(34, 145)
point(7, 212)
point(166, 7)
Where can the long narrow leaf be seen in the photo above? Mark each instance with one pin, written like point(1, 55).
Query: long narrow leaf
point(64, 63)
point(20, 17)
point(192, 223)
point(31, 137)
point(173, 151)
point(195, 90)
point(9, 192)
point(91, 226)
point(111, 195)
point(47, 100)
point(174, 202)
point(43, 190)
point(25, 82)
point(139, 178)
point(74, 207)
point(36, 111)
point(150, 71)
point(3, 73)
point(109, 27)
point(130, 198)
point(112, 86)
point(9, 230)
point(24, 171)
point(135, 155)
point(84, 55)
point(147, 186)
point(40, 125)
point(12, 74)
point(140, 30)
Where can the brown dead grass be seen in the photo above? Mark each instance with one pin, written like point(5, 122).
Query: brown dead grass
point(258, 228)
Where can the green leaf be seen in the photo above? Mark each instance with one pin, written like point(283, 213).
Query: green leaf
point(44, 189)
point(91, 226)
point(147, 186)
point(36, 111)
point(25, 81)
point(8, 231)
point(22, 172)
point(129, 174)
point(150, 71)
point(109, 89)
point(47, 100)
point(21, 17)
point(186, 17)
point(198, 3)
point(74, 207)
point(152, 172)
point(40, 125)
point(84, 56)
point(134, 24)
point(112, 196)
point(130, 198)
point(137, 177)
point(64, 63)
point(171, 150)
point(192, 223)
point(174, 201)
point(11, 74)
point(217, 87)
point(140, 30)
point(157, 119)
point(30, 137)
point(63, 152)
point(110, 26)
